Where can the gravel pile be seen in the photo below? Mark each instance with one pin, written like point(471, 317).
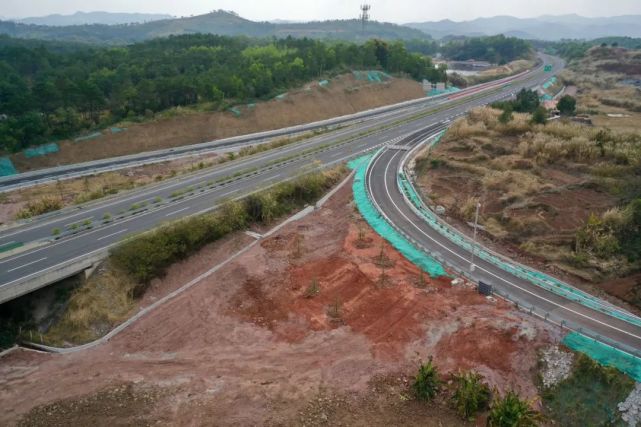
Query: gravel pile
point(631, 407)
point(557, 365)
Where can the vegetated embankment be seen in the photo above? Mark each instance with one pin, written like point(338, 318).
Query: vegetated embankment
point(562, 197)
point(182, 126)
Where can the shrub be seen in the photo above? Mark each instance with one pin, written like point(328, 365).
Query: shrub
point(506, 116)
point(427, 383)
point(539, 116)
point(471, 394)
point(567, 105)
point(39, 207)
point(511, 411)
point(147, 256)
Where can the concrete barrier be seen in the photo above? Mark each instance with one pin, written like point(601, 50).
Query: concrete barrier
point(18, 289)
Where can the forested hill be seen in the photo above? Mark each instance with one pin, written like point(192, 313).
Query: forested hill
point(220, 23)
point(53, 90)
point(496, 49)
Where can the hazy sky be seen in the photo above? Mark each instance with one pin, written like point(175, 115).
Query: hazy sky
point(399, 11)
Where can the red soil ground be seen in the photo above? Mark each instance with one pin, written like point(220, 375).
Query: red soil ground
point(248, 347)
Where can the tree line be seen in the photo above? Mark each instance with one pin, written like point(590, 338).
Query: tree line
point(495, 49)
point(52, 91)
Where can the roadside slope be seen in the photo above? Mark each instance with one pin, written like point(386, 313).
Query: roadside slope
point(343, 95)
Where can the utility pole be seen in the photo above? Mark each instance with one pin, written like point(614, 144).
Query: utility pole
point(476, 222)
point(365, 8)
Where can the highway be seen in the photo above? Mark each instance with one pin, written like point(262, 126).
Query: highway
point(72, 234)
point(386, 195)
point(357, 120)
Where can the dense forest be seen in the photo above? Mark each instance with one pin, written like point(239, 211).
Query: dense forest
point(55, 90)
point(496, 49)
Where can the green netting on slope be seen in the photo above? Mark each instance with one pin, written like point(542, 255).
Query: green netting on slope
point(6, 167)
point(417, 257)
point(549, 83)
point(41, 150)
point(451, 89)
point(372, 76)
point(323, 83)
point(235, 111)
point(540, 279)
point(605, 354)
point(354, 163)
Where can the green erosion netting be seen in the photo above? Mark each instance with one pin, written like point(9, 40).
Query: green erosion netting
point(6, 167)
point(540, 279)
point(117, 130)
point(549, 83)
point(354, 163)
point(451, 89)
point(89, 137)
point(281, 96)
point(323, 83)
point(235, 111)
point(604, 354)
point(41, 150)
point(10, 246)
point(385, 230)
point(372, 76)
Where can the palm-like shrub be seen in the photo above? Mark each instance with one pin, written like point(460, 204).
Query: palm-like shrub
point(471, 394)
point(426, 384)
point(512, 411)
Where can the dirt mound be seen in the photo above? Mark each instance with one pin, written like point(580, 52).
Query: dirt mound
point(322, 321)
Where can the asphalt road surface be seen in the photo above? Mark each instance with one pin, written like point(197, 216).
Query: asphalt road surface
point(94, 228)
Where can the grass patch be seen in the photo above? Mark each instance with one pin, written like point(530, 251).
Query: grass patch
point(39, 207)
point(589, 396)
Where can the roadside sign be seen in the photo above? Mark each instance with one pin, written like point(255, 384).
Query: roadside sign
point(485, 289)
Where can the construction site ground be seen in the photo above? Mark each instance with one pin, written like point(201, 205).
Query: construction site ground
point(322, 323)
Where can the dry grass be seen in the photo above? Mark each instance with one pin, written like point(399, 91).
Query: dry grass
point(106, 300)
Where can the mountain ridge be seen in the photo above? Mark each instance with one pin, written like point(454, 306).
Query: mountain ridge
point(88, 18)
point(217, 22)
point(546, 27)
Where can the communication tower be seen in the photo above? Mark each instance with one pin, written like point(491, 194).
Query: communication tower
point(365, 8)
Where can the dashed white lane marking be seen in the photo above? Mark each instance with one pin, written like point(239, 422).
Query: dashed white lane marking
point(112, 234)
point(178, 211)
point(26, 265)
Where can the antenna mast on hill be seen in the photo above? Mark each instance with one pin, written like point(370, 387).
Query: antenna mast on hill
point(365, 8)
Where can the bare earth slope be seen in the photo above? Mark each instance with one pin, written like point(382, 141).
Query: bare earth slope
point(252, 345)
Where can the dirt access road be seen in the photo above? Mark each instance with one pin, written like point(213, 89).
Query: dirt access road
point(248, 347)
